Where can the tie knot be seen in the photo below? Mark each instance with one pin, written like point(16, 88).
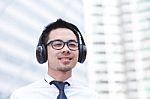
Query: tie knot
point(59, 84)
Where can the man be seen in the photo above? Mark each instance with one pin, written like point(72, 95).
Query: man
point(62, 45)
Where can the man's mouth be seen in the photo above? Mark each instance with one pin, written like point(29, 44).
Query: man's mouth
point(65, 60)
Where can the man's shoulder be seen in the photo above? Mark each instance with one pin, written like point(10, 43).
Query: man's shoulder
point(36, 84)
point(33, 84)
point(86, 89)
point(28, 89)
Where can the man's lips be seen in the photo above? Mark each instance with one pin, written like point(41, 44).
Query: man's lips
point(65, 60)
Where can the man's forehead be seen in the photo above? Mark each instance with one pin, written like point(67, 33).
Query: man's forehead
point(61, 32)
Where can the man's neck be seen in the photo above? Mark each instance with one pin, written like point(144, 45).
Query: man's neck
point(60, 76)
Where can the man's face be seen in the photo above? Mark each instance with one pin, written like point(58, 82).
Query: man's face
point(62, 59)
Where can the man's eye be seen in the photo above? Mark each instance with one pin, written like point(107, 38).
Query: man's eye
point(72, 45)
point(57, 44)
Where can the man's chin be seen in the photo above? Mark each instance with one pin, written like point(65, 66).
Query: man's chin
point(64, 69)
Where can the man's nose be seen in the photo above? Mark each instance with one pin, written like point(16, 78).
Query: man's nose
point(65, 49)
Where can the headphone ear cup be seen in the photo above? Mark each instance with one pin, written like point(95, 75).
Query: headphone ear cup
point(41, 54)
point(82, 53)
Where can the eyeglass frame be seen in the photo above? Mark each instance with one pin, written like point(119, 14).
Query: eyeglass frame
point(64, 43)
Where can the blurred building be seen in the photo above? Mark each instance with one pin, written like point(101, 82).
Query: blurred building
point(119, 36)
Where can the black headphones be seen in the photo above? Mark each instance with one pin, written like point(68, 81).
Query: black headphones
point(41, 50)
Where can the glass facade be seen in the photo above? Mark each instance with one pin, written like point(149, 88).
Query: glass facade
point(119, 60)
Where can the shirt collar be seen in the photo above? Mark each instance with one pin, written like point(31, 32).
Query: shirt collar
point(48, 79)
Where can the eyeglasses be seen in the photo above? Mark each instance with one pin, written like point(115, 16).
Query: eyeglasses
point(59, 44)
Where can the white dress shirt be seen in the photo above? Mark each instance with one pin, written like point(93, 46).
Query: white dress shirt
point(43, 90)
